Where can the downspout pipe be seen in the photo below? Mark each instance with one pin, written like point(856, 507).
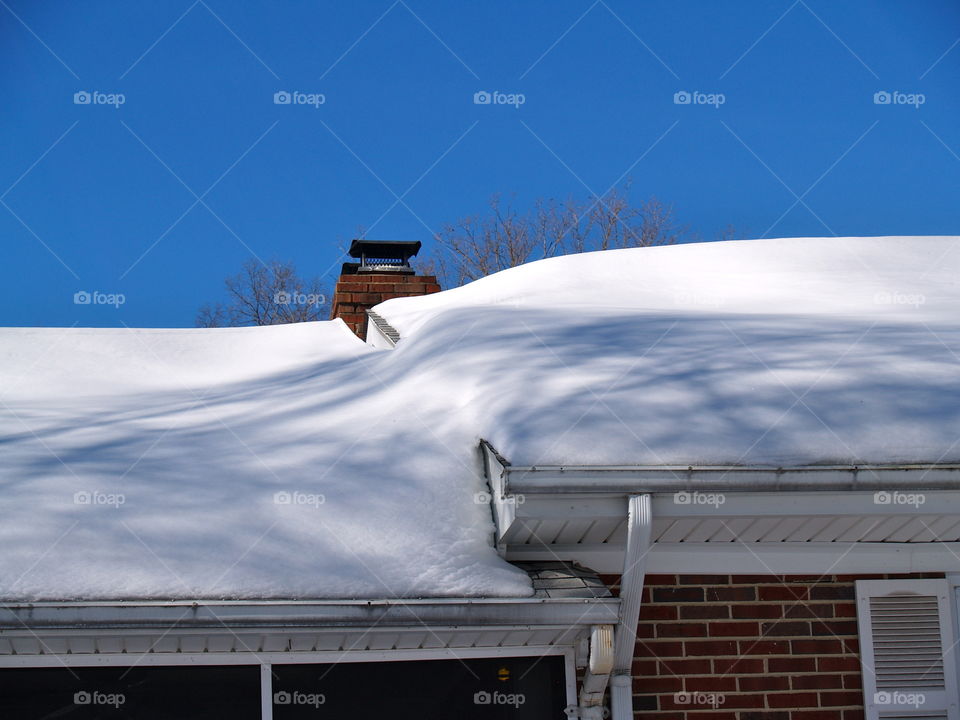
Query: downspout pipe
point(639, 527)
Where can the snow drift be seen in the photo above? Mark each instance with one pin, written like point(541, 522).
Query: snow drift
point(296, 462)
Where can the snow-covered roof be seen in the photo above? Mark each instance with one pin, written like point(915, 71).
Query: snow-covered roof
point(297, 462)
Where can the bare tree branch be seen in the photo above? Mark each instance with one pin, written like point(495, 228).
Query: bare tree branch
point(474, 246)
point(271, 294)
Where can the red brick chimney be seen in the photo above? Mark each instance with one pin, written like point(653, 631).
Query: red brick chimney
point(383, 273)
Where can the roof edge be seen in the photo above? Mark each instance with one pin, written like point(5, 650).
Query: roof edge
point(194, 614)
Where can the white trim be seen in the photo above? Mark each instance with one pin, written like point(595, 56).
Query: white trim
point(854, 503)
point(504, 509)
point(273, 658)
point(266, 692)
point(783, 558)
point(851, 503)
point(570, 670)
point(953, 580)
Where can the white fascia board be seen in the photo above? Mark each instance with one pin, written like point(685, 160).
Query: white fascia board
point(379, 614)
point(783, 558)
point(581, 506)
point(833, 503)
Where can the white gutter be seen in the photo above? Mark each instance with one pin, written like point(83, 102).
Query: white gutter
point(631, 479)
point(639, 527)
point(38, 616)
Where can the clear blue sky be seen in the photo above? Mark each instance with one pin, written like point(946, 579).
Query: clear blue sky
point(105, 197)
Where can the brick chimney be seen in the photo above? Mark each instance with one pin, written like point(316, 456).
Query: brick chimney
point(383, 272)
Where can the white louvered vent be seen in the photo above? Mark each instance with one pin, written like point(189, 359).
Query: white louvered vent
point(907, 650)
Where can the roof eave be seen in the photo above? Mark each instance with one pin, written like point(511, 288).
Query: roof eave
point(284, 614)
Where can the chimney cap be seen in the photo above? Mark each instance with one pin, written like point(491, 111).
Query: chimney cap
point(401, 250)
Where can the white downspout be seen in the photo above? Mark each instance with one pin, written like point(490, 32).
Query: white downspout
point(598, 673)
point(639, 526)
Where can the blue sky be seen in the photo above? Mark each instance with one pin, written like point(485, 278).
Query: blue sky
point(160, 197)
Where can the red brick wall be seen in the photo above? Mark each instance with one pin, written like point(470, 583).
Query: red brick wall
point(355, 294)
point(748, 647)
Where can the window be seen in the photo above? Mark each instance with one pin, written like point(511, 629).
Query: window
point(476, 688)
point(485, 689)
point(907, 647)
point(145, 693)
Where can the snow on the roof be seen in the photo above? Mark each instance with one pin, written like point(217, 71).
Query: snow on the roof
point(289, 461)
point(296, 462)
point(767, 352)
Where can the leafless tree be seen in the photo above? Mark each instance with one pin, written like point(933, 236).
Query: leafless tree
point(267, 294)
point(502, 238)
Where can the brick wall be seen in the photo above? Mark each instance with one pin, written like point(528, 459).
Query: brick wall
point(748, 648)
point(355, 294)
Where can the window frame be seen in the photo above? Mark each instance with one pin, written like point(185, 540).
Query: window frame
point(265, 660)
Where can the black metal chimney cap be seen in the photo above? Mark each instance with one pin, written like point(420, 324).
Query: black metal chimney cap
point(401, 250)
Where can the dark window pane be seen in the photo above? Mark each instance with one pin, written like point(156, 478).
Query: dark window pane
point(483, 689)
point(142, 692)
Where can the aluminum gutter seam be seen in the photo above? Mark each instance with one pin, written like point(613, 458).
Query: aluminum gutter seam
point(732, 478)
point(533, 612)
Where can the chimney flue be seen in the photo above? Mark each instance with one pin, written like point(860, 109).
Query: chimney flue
point(383, 272)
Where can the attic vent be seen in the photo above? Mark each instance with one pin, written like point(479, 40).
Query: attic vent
point(907, 651)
